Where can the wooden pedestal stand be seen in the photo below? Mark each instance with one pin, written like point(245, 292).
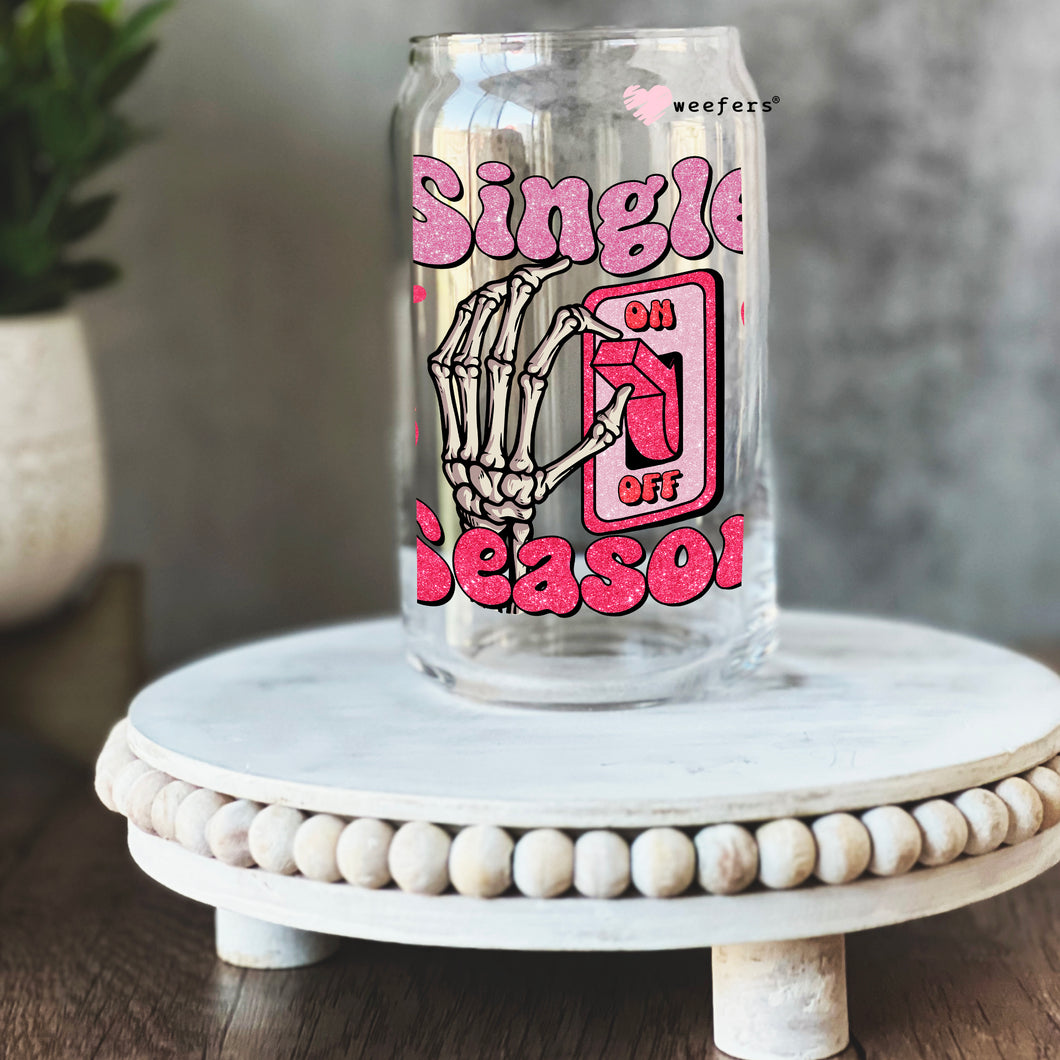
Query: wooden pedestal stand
point(314, 786)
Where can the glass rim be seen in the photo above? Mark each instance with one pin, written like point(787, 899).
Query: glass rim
point(589, 33)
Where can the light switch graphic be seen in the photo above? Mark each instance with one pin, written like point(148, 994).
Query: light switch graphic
point(667, 467)
point(653, 412)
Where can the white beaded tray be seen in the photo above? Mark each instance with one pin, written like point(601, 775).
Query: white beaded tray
point(904, 732)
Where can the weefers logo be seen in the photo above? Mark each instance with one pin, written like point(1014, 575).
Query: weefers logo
point(711, 106)
point(648, 104)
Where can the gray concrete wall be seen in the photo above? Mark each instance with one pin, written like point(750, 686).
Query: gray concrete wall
point(914, 170)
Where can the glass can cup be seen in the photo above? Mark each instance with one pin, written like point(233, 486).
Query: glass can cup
point(583, 467)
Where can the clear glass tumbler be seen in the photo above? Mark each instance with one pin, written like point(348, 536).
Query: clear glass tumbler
point(585, 511)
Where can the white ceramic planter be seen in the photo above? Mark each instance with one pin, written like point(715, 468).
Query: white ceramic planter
point(52, 483)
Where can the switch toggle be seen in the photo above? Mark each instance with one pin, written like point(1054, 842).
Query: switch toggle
point(653, 413)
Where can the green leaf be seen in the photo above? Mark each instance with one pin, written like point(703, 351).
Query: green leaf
point(87, 36)
point(64, 64)
point(24, 252)
point(90, 274)
point(142, 20)
point(125, 72)
point(63, 126)
point(77, 220)
point(18, 177)
point(29, 39)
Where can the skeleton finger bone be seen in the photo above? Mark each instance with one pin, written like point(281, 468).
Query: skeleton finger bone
point(440, 365)
point(533, 379)
point(604, 433)
point(467, 363)
point(569, 320)
point(523, 284)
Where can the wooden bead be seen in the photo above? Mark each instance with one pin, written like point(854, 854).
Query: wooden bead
point(226, 832)
point(543, 865)
point(987, 818)
point(314, 847)
point(114, 756)
point(480, 861)
point(419, 858)
point(1047, 784)
point(165, 806)
point(726, 858)
point(943, 831)
point(362, 852)
point(787, 853)
point(270, 838)
point(189, 824)
point(662, 862)
point(1025, 808)
point(126, 777)
point(896, 842)
point(844, 848)
point(117, 736)
point(118, 733)
point(141, 797)
point(601, 864)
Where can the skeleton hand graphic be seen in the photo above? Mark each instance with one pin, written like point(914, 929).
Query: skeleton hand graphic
point(495, 488)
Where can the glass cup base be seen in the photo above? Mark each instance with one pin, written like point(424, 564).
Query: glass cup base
point(588, 668)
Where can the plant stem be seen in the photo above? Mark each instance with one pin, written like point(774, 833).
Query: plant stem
point(51, 200)
point(21, 178)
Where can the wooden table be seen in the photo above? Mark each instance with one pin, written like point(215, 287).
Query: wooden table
point(98, 961)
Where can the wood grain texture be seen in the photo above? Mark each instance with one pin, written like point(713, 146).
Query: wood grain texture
point(98, 961)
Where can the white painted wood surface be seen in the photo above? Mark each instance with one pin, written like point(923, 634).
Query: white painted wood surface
point(578, 923)
point(781, 1000)
point(850, 713)
point(250, 943)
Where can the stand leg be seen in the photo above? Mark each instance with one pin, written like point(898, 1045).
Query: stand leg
point(781, 1000)
point(251, 943)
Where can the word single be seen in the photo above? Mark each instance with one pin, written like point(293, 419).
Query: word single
point(558, 218)
point(681, 568)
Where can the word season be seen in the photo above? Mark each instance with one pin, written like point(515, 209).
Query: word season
point(628, 239)
point(682, 567)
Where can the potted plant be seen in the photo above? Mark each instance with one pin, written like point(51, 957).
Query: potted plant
point(64, 68)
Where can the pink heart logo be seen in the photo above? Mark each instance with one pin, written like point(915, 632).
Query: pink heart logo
point(647, 104)
point(418, 293)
